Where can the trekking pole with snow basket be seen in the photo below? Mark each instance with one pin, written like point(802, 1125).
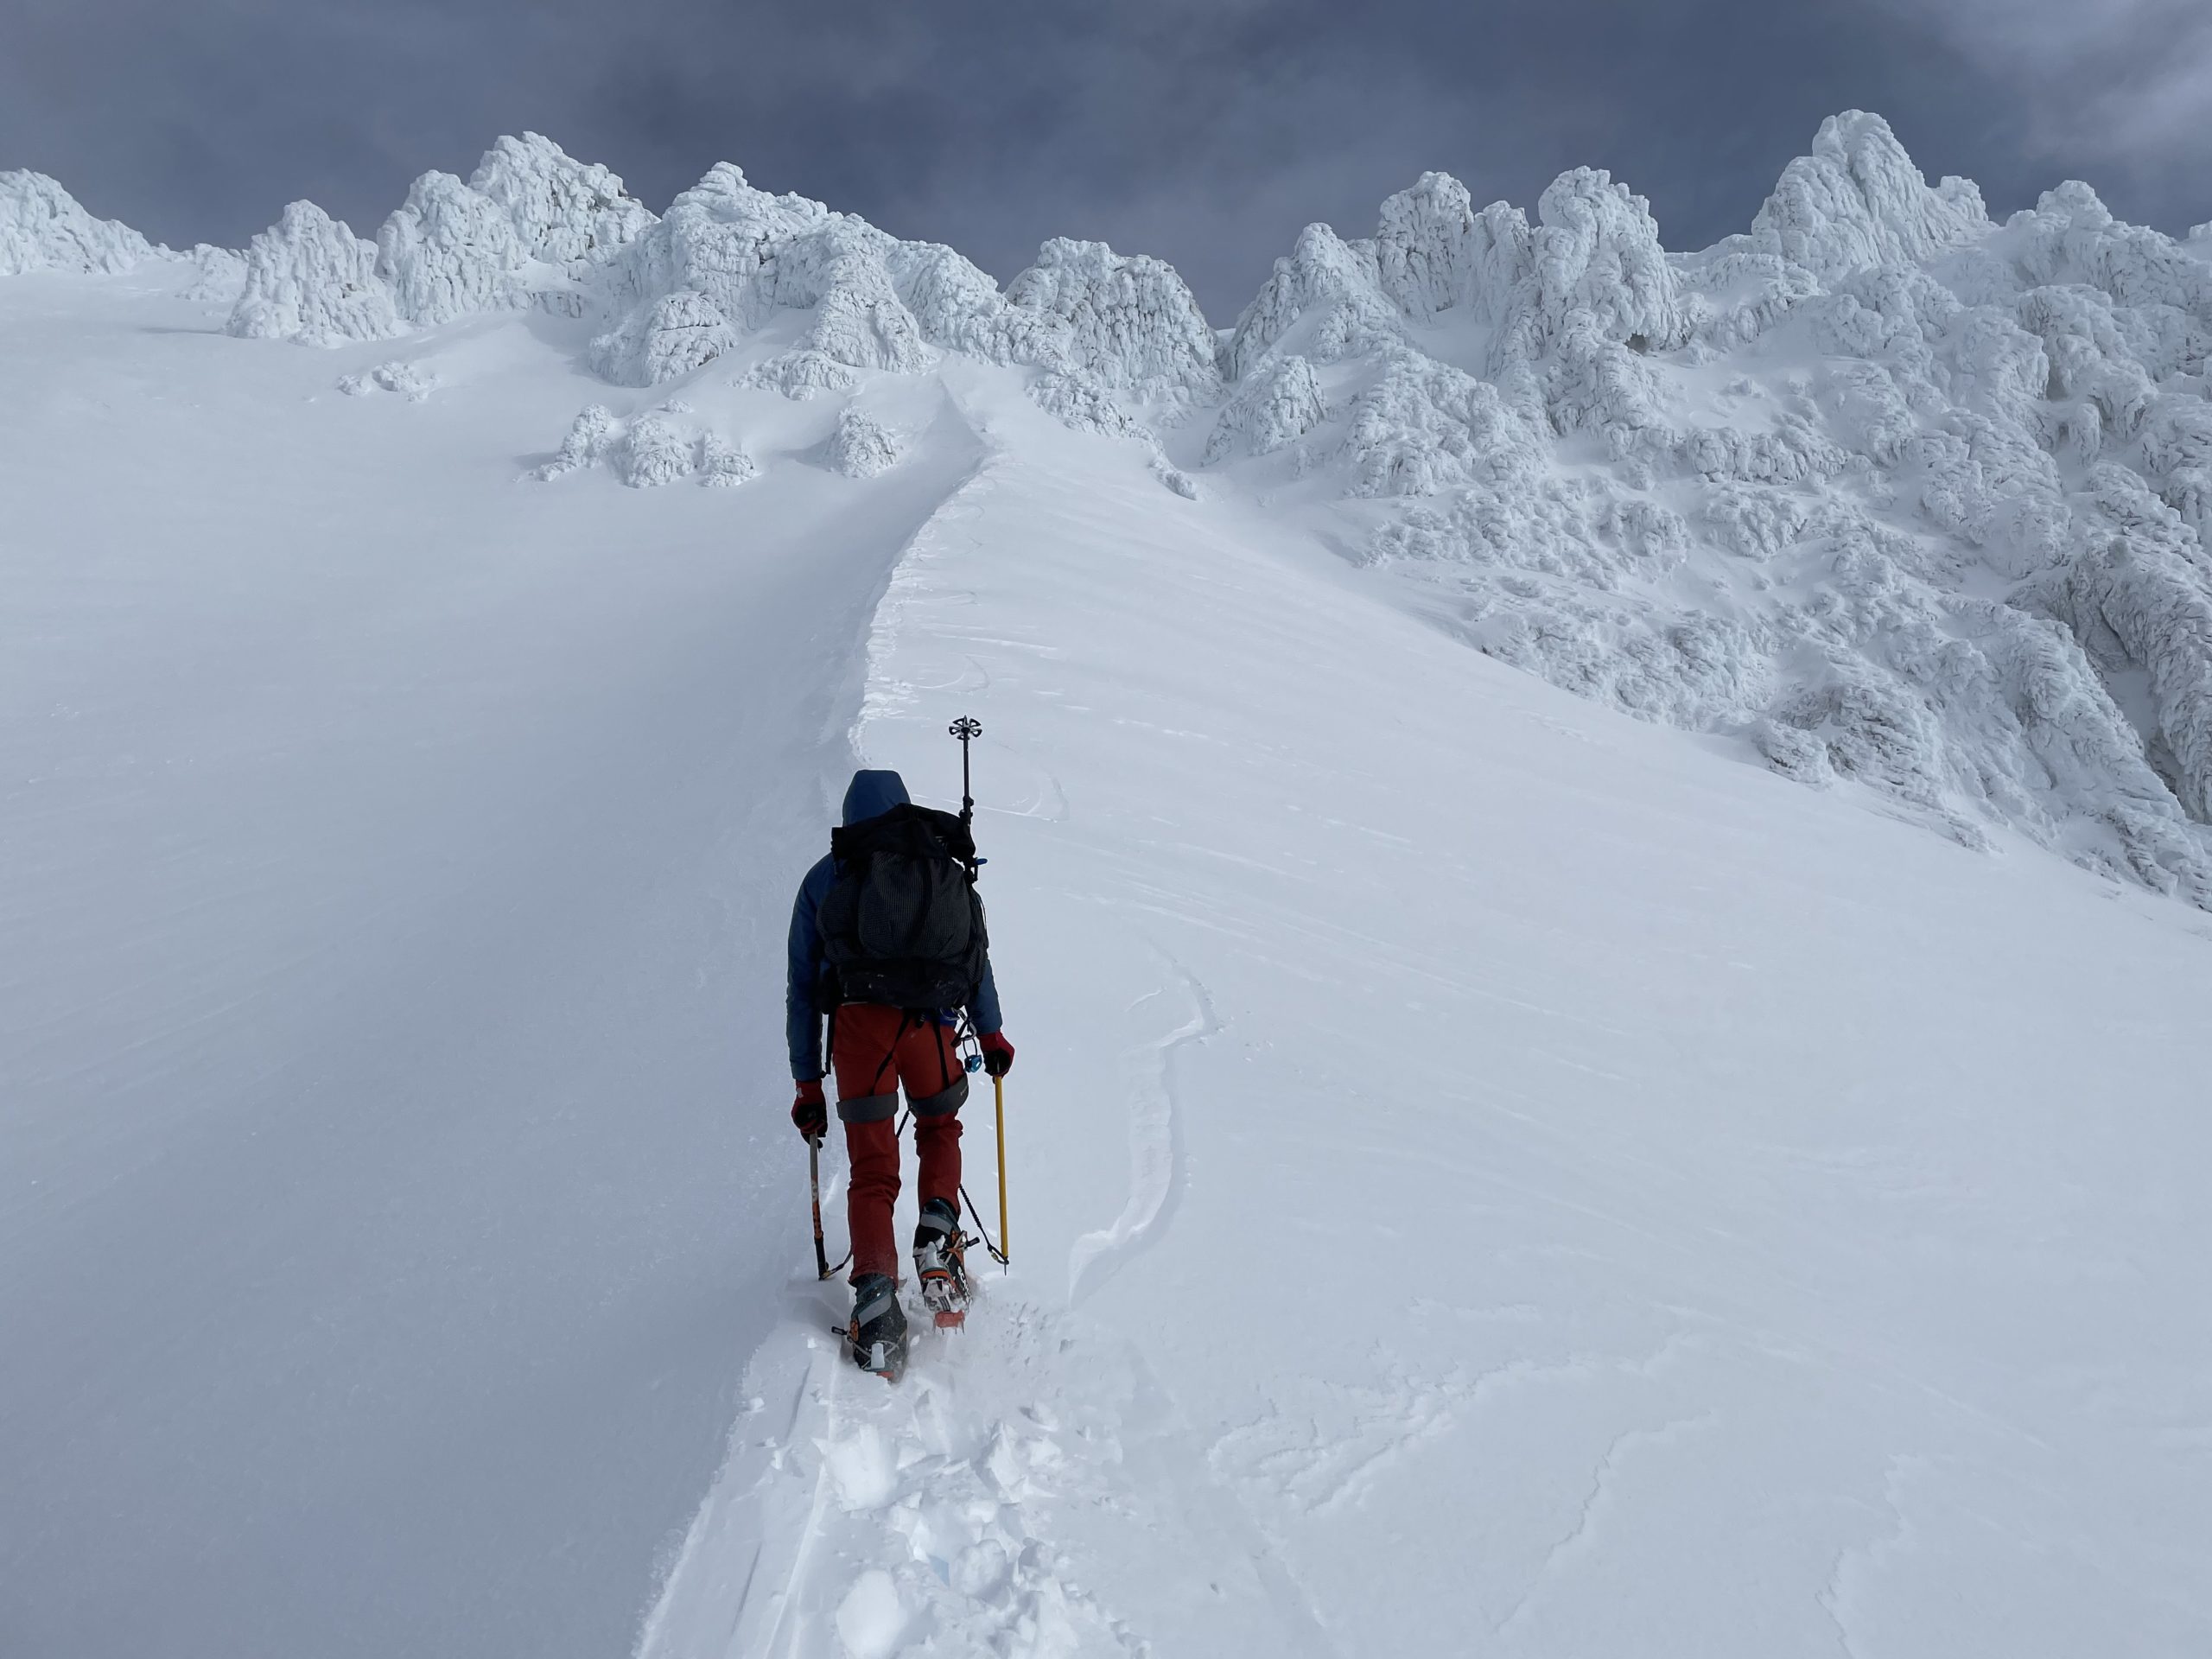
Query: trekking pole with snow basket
point(967, 728)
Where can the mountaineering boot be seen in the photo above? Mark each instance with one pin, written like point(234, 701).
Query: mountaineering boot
point(877, 1332)
point(939, 1262)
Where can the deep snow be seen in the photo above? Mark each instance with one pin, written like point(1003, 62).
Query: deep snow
point(389, 864)
point(1488, 1174)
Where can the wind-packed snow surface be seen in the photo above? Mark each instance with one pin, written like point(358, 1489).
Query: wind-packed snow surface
point(1487, 1175)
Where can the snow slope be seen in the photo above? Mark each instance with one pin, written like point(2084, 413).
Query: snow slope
point(1488, 1174)
point(391, 857)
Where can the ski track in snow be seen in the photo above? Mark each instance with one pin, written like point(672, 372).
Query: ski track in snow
point(1157, 1168)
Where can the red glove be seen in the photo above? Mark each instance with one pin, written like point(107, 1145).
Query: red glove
point(809, 1111)
point(998, 1053)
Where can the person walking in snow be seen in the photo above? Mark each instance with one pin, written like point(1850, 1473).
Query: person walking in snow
point(888, 946)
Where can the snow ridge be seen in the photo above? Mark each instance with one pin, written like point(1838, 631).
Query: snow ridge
point(1858, 201)
point(567, 214)
point(529, 227)
point(1903, 499)
point(310, 279)
point(42, 227)
point(1130, 322)
point(1906, 499)
point(740, 255)
point(449, 251)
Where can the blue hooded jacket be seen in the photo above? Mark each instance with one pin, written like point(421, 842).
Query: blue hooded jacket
point(869, 795)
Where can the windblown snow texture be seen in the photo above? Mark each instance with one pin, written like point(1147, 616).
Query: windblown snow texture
point(450, 252)
point(309, 278)
point(661, 446)
point(1899, 497)
point(727, 257)
point(568, 214)
point(529, 222)
point(43, 228)
point(1905, 497)
point(860, 447)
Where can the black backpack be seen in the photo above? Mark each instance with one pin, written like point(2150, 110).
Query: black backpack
point(902, 925)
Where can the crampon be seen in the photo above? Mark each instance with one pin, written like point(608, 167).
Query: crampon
point(940, 1262)
point(876, 1339)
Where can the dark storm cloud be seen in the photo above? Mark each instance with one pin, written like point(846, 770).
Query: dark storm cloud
point(2124, 84)
point(1207, 131)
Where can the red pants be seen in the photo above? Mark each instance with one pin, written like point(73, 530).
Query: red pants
point(875, 1053)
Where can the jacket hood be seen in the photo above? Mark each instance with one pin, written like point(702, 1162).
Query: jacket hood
point(871, 794)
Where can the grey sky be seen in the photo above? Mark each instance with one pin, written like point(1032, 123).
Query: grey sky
point(1207, 131)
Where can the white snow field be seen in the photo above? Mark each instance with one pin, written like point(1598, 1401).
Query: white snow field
point(392, 860)
point(1488, 1174)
